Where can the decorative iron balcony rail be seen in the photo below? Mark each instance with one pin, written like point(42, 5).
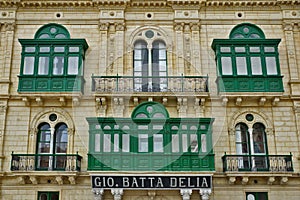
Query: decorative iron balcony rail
point(150, 83)
point(45, 162)
point(272, 163)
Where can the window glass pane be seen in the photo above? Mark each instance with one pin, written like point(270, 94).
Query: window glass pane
point(73, 49)
point(239, 49)
point(28, 65)
point(73, 65)
point(203, 143)
point(256, 66)
point(143, 143)
point(59, 49)
point(258, 138)
point(271, 66)
point(194, 143)
point(241, 65)
point(44, 49)
point(54, 196)
point(58, 65)
point(125, 142)
point(43, 65)
point(61, 141)
point(269, 49)
point(116, 143)
point(60, 36)
point(184, 143)
point(225, 49)
point(106, 142)
point(138, 54)
point(137, 66)
point(43, 196)
point(255, 49)
point(143, 127)
point(43, 36)
point(29, 49)
point(250, 197)
point(175, 143)
point(157, 143)
point(44, 148)
point(226, 65)
point(97, 142)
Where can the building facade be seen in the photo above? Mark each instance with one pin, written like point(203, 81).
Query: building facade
point(160, 99)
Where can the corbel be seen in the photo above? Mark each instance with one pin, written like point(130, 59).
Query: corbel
point(164, 100)
point(262, 101)
point(232, 180)
point(284, 180)
point(76, 101)
point(59, 180)
point(33, 180)
point(26, 100)
point(62, 101)
point(271, 180)
point(276, 100)
point(39, 101)
point(224, 101)
point(72, 180)
point(245, 180)
point(135, 101)
point(238, 101)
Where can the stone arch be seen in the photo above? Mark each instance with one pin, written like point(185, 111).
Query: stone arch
point(138, 35)
point(42, 117)
point(259, 117)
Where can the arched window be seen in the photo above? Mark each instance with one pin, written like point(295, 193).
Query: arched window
point(52, 146)
point(150, 62)
point(251, 143)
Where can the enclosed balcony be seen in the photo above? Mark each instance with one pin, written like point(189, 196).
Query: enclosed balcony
point(124, 84)
point(46, 162)
point(271, 163)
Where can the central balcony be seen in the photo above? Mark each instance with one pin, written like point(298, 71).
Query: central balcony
point(125, 84)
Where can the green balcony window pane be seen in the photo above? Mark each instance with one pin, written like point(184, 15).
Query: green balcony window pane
point(269, 49)
point(73, 49)
point(125, 142)
point(43, 66)
point(58, 65)
point(106, 143)
point(158, 143)
point(240, 49)
point(97, 142)
point(28, 65)
point(255, 49)
point(225, 49)
point(29, 49)
point(256, 66)
point(59, 49)
point(226, 63)
point(44, 49)
point(116, 143)
point(194, 143)
point(203, 143)
point(271, 66)
point(175, 143)
point(241, 65)
point(73, 65)
point(184, 142)
point(143, 142)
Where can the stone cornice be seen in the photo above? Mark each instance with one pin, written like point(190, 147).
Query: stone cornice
point(143, 3)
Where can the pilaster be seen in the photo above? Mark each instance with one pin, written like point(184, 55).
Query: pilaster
point(3, 111)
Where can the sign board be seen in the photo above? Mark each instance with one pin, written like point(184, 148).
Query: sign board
point(151, 182)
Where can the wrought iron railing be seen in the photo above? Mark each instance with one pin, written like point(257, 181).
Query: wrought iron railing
point(150, 83)
point(45, 162)
point(272, 163)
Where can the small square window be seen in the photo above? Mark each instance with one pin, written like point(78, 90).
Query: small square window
point(29, 49)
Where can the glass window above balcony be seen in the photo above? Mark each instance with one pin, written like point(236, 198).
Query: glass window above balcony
point(52, 61)
point(247, 61)
point(150, 140)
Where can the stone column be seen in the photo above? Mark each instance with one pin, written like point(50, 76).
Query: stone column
point(117, 193)
point(186, 194)
point(205, 193)
point(98, 193)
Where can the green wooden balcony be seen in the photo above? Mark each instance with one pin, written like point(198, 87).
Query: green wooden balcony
point(118, 83)
point(250, 84)
point(150, 162)
point(32, 83)
point(270, 163)
point(45, 162)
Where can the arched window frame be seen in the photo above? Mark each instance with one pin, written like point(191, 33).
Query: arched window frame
point(247, 157)
point(149, 62)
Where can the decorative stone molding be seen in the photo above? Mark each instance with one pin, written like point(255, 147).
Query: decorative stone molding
point(98, 193)
point(72, 180)
point(39, 101)
point(262, 101)
point(224, 101)
point(117, 193)
point(118, 106)
point(21, 180)
point(231, 180)
point(59, 180)
point(284, 180)
point(165, 101)
point(187, 27)
point(62, 101)
point(205, 193)
point(245, 180)
point(7, 26)
point(238, 101)
point(76, 101)
point(271, 180)
point(151, 194)
point(186, 193)
point(199, 106)
point(33, 180)
point(182, 107)
point(101, 106)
